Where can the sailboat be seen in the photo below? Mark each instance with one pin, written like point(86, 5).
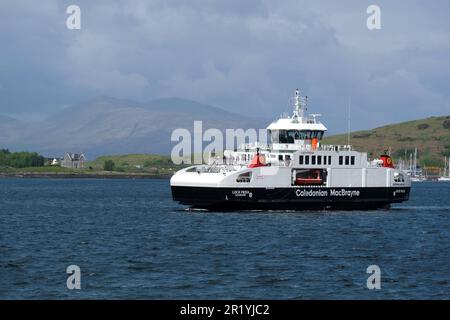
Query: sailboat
point(413, 169)
point(444, 177)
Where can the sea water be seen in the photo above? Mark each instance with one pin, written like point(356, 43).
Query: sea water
point(131, 241)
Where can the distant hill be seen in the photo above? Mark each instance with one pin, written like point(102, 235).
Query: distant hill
point(107, 125)
point(130, 161)
point(137, 163)
point(431, 136)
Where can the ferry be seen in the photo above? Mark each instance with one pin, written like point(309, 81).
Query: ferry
point(293, 171)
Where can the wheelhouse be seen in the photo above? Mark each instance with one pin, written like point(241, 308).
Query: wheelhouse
point(290, 136)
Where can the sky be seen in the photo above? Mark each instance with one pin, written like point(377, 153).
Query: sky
point(243, 56)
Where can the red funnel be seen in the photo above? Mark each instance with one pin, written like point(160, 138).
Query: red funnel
point(257, 161)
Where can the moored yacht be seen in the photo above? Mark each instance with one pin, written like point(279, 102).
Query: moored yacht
point(294, 171)
point(446, 176)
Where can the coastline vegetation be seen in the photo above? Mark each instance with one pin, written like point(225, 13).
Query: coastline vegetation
point(20, 159)
point(133, 165)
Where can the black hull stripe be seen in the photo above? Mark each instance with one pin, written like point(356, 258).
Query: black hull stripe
point(289, 198)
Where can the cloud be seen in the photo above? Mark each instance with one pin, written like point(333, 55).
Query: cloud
point(93, 66)
point(242, 56)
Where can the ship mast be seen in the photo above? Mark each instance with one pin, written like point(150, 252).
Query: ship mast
point(300, 104)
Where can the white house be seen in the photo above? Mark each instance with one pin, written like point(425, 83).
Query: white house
point(73, 160)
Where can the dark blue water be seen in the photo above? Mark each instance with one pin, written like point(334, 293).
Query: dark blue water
point(131, 241)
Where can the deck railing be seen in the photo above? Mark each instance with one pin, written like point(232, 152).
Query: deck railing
point(295, 146)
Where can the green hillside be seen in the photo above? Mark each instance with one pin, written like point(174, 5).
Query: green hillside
point(150, 163)
point(431, 136)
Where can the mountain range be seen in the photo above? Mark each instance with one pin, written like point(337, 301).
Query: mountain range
point(107, 125)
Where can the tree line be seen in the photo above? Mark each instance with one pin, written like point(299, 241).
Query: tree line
point(20, 159)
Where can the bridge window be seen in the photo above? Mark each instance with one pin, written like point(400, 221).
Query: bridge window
point(313, 160)
point(347, 160)
point(289, 136)
point(341, 160)
point(307, 160)
point(300, 160)
point(352, 160)
point(329, 160)
point(319, 160)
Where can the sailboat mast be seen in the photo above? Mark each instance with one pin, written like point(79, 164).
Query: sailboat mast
point(448, 167)
point(415, 161)
point(410, 163)
point(445, 167)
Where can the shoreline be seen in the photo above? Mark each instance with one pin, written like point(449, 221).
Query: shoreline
point(58, 175)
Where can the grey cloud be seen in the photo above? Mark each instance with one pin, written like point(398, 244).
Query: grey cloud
point(244, 56)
